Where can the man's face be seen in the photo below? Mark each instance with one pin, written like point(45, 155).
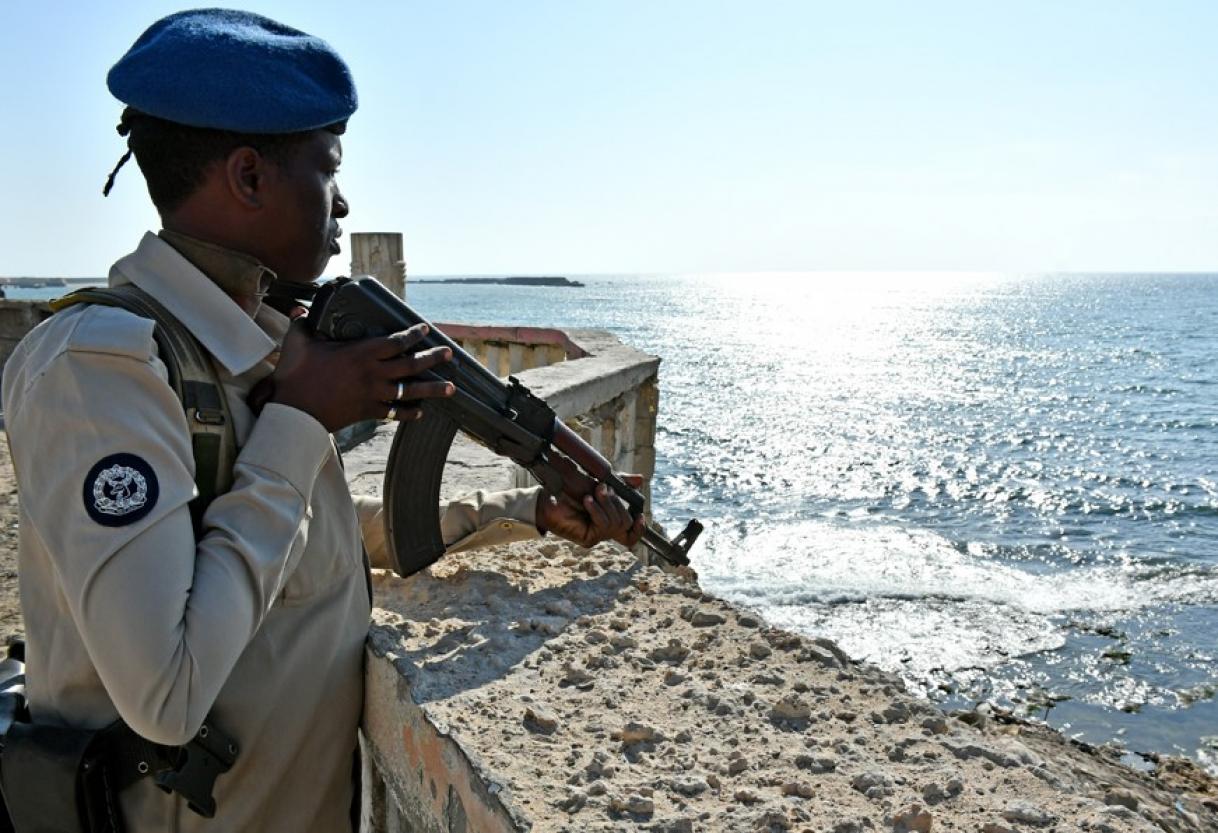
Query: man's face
point(303, 206)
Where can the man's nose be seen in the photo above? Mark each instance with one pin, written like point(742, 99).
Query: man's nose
point(341, 207)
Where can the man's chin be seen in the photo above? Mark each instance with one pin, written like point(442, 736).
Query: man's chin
point(324, 264)
point(313, 274)
point(300, 278)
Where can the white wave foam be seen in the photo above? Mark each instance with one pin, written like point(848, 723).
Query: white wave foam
point(911, 602)
point(824, 562)
point(920, 639)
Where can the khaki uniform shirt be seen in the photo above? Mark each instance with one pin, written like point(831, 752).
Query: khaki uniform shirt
point(262, 621)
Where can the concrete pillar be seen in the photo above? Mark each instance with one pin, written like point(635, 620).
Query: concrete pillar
point(380, 254)
point(627, 424)
point(515, 357)
point(608, 446)
point(490, 359)
point(646, 407)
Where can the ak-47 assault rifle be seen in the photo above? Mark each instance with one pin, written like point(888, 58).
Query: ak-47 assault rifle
point(503, 416)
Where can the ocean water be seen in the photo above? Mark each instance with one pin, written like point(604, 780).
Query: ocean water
point(1001, 487)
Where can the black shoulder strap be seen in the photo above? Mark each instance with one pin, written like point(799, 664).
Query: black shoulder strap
point(194, 378)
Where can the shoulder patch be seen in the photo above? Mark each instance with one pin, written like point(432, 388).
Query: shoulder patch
point(120, 489)
point(113, 330)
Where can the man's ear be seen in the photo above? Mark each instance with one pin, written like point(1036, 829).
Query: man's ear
point(246, 175)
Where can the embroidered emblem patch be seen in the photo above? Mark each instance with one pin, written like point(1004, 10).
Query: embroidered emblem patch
point(120, 489)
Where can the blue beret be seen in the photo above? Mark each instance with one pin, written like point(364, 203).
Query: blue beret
point(234, 70)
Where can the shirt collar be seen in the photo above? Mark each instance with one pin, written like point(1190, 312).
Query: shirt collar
point(211, 316)
point(235, 272)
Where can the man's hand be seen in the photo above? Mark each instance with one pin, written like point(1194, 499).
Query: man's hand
point(601, 516)
point(341, 382)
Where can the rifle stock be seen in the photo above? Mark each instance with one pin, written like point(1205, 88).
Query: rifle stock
point(503, 416)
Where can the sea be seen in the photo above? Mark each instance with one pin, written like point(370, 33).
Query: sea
point(1003, 488)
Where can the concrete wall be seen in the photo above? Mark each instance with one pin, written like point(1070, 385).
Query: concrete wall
point(417, 779)
point(507, 351)
point(603, 389)
point(16, 319)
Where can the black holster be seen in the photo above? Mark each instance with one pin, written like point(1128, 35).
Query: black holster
point(58, 780)
point(55, 781)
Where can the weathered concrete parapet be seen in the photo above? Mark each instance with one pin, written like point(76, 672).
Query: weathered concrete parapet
point(605, 390)
point(546, 688)
point(509, 350)
point(416, 777)
point(16, 319)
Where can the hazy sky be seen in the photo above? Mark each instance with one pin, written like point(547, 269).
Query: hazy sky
point(577, 136)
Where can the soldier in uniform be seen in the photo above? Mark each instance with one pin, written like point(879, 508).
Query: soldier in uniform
point(257, 619)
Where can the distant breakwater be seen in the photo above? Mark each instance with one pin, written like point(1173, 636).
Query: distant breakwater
point(512, 281)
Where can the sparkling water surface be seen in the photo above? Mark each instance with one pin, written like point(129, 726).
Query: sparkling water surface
point(1001, 487)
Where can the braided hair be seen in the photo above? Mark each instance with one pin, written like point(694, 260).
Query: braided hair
point(174, 157)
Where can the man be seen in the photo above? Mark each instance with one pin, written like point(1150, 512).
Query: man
point(256, 622)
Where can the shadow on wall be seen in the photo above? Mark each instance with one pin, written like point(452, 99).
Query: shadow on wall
point(502, 625)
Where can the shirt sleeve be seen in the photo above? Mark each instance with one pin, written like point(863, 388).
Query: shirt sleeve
point(164, 618)
point(480, 519)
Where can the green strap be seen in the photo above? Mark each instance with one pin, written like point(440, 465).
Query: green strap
point(195, 380)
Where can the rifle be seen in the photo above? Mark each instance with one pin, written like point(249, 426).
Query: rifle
point(506, 417)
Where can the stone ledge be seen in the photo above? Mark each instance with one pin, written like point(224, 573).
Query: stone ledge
point(602, 371)
point(430, 783)
point(578, 691)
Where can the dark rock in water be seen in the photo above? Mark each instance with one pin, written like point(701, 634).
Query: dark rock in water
point(516, 280)
point(541, 281)
point(36, 283)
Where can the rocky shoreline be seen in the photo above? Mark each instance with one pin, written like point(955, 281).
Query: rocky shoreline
point(599, 695)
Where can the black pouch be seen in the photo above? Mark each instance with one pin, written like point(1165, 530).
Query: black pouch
point(54, 782)
point(59, 780)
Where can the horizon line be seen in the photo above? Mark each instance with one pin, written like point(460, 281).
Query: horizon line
point(699, 272)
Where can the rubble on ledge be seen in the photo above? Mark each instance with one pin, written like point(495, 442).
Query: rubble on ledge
point(596, 695)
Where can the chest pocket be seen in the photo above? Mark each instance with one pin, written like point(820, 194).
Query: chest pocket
point(333, 550)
